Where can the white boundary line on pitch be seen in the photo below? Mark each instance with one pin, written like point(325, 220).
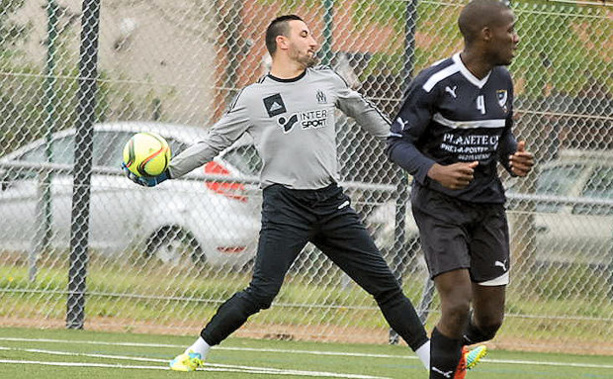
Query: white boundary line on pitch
point(230, 348)
point(208, 367)
point(332, 353)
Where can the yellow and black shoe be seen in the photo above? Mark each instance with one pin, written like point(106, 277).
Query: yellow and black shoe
point(188, 361)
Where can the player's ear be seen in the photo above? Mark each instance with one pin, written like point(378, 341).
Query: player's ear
point(486, 33)
point(282, 42)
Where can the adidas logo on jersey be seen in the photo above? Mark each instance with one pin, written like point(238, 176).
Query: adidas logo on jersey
point(274, 105)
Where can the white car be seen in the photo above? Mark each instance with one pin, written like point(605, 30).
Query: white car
point(181, 221)
point(573, 219)
point(574, 208)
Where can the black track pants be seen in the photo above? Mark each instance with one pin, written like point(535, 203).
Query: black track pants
point(291, 218)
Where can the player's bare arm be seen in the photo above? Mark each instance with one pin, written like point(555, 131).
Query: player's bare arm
point(522, 161)
point(453, 176)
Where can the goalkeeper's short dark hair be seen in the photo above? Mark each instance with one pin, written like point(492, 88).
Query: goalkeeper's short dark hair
point(278, 27)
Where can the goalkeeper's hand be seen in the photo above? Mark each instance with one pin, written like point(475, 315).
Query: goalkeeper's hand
point(145, 181)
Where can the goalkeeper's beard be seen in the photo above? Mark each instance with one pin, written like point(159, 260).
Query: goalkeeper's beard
point(307, 60)
point(311, 61)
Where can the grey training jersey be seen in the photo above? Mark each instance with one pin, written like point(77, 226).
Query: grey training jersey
point(292, 123)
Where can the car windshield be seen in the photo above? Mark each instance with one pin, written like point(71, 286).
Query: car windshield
point(245, 158)
point(108, 149)
point(62, 150)
point(556, 180)
point(599, 186)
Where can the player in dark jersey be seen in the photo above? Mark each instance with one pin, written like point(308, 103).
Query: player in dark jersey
point(290, 115)
point(453, 128)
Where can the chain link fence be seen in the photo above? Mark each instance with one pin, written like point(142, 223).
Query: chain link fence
point(100, 253)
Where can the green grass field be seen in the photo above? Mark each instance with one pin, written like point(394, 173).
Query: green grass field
point(120, 291)
point(31, 353)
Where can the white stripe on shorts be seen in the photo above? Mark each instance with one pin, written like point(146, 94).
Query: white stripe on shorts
point(502, 280)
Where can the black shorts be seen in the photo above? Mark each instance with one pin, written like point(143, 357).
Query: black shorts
point(456, 234)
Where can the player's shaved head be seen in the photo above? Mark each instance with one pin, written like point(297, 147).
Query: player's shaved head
point(479, 14)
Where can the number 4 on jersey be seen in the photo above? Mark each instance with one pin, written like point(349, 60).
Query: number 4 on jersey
point(481, 103)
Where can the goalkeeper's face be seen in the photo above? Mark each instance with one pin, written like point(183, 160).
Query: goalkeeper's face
point(302, 45)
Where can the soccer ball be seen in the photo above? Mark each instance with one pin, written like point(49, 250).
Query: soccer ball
point(146, 154)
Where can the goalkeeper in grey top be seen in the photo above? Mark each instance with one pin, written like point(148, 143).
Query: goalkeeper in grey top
point(290, 115)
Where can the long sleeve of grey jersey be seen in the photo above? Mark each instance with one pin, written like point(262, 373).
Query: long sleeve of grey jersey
point(354, 105)
point(227, 130)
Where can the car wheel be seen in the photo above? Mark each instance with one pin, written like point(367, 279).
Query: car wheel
point(175, 247)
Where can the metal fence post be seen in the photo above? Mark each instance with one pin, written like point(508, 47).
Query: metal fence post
point(400, 247)
point(43, 208)
point(326, 47)
point(86, 98)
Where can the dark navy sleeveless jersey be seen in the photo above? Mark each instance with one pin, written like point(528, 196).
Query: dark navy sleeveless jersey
point(450, 116)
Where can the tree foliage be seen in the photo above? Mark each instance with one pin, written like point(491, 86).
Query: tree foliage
point(563, 46)
point(10, 31)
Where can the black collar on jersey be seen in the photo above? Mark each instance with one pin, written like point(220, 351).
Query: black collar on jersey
point(288, 80)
